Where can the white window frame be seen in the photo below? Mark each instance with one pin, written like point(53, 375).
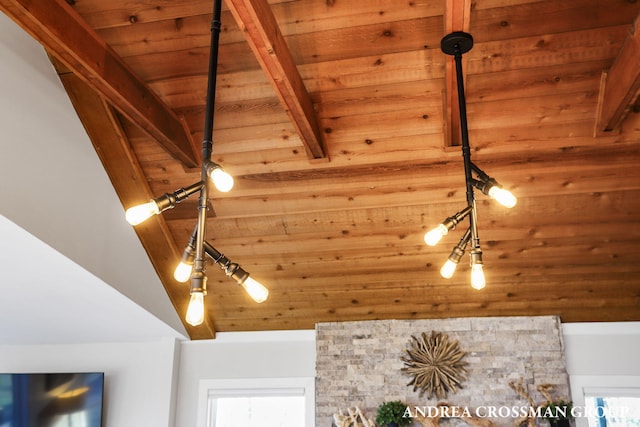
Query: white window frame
point(293, 386)
point(612, 392)
point(601, 386)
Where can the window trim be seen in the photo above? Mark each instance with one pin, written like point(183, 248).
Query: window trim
point(632, 391)
point(291, 386)
point(583, 384)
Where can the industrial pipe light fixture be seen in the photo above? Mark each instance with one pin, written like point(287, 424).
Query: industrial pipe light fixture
point(450, 266)
point(183, 271)
point(193, 264)
point(456, 44)
point(433, 237)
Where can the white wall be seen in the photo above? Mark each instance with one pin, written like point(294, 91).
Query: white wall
point(53, 185)
point(145, 381)
point(597, 355)
point(241, 355)
point(601, 355)
point(140, 381)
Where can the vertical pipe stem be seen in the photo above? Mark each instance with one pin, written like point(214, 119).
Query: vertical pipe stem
point(207, 143)
point(466, 150)
point(198, 280)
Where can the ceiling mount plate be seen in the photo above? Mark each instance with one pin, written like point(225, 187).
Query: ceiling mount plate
point(456, 42)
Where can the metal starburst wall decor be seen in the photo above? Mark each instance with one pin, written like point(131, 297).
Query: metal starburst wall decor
point(435, 364)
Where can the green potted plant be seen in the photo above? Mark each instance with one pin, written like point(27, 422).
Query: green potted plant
point(557, 413)
point(391, 414)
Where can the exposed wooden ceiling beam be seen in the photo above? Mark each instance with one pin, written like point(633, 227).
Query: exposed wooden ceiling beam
point(104, 130)
point(456, 18)
point(66, 36)
point(256, 19)
point(620, 86)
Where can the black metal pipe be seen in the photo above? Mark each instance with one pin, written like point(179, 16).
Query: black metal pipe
point(207, 142)
point(231, 269)
point(169, 200)
point(464, 130)
point(199, 278)
point(456, 44)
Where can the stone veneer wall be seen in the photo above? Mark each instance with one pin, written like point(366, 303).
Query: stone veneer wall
point(358, 363)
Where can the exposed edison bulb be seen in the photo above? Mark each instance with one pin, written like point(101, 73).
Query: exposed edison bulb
point(477, 277)
point(140, 213)
point(432, 237)
point(448, 269)
point(256, 290)
point(182, 273)
point(222, 180)
point(502, 196)
point(195, 311)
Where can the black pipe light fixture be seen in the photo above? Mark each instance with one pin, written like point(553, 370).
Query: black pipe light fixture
point(456, 44)
point(193, 263)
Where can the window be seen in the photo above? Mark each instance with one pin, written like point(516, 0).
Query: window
point(258, 411)
point(262, 402)
point(606, 407)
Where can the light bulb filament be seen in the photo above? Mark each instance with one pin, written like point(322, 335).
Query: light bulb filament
point(221, 179)
point(138, 214)
point(195, 311)
point(432, 237)
point(502, 196)
point(448, 269)
point(182, 273)
point(257, 291)
point(477, 277)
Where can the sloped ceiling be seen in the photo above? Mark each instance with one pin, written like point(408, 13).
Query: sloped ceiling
point(339, 121)
point(59, 286)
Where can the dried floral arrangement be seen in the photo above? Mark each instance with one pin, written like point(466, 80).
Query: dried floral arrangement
point(435, 362)
point(353, 418)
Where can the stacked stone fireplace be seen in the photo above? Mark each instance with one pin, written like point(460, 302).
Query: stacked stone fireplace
point(359, 364)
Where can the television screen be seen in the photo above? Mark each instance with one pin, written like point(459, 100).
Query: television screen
point(51, 400)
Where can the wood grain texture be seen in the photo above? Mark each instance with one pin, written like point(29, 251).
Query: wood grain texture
point(104, 130)
point(268, 45)
point(342, 239)
point(71, 41)
point(620, 85)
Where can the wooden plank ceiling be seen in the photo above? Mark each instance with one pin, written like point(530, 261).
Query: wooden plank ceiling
point(338, 120)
